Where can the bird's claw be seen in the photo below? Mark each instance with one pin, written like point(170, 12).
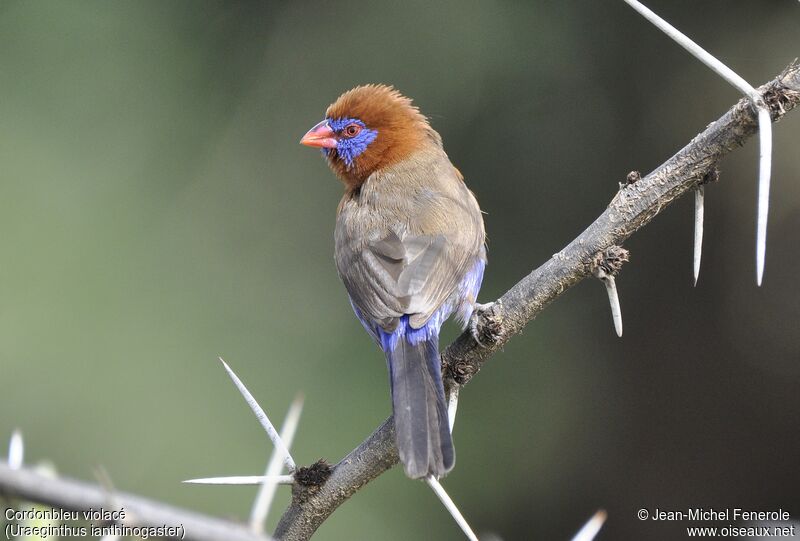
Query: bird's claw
point(473, 321)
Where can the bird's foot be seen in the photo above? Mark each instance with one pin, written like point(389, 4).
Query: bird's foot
point(478, 309)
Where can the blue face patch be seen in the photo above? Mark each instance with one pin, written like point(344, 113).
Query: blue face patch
point(349, 148)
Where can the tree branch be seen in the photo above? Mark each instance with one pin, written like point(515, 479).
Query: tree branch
point(74, 495)
point(631, 208)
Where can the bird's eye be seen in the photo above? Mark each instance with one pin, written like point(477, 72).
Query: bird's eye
point(351, 130)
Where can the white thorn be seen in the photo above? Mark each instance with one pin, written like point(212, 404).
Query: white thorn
point(242, 480)
point(764, 122)
point(438, 489)
point(16, 450)
point(266, 494)
point(698, 52)
point(613, 300)
point(590, 529)
point(699, 195)
point(452, 407)
point(262, 418)
point(765, 166)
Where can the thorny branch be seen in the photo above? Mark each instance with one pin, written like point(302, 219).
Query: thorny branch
point(320, 489)
point(72, 495)
point(632, 207)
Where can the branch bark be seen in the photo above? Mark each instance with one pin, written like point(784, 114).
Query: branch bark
point(313, 502)
point(632, 207)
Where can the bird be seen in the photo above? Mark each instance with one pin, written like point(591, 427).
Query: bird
point(410, 247)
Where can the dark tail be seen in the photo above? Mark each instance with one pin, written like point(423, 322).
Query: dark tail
point(422, 431)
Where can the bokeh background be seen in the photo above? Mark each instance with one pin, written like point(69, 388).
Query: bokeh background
point(157, 211)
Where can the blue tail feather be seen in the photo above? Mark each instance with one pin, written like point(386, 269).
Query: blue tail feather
point(422, 431)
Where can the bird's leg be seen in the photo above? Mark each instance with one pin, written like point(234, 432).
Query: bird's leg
point(477, 310)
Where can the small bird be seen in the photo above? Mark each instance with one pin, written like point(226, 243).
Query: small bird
point(410, 249)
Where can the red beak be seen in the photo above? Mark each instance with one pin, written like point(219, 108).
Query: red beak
point(321, 136)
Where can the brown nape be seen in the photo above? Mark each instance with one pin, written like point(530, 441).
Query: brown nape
point(401, 128)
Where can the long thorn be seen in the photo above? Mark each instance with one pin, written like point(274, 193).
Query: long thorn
point(241, 480)
point(438, 489)
point(16, 450)
point(262, 418)
point(266, 494)
point(764, 123)
point(613, 300)
point(452, 407)
point(590, 529)
point(105, 481)
point(765, 161)
point(699, 196)
point(698, 52)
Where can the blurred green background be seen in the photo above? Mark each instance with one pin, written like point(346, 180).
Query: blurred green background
point(157, 211)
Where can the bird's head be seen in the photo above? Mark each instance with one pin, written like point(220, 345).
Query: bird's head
point(368, 128)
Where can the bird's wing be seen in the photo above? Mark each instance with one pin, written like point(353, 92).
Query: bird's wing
point(413, 270)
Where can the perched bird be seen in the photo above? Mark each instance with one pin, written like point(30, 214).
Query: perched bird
point(409, 247)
